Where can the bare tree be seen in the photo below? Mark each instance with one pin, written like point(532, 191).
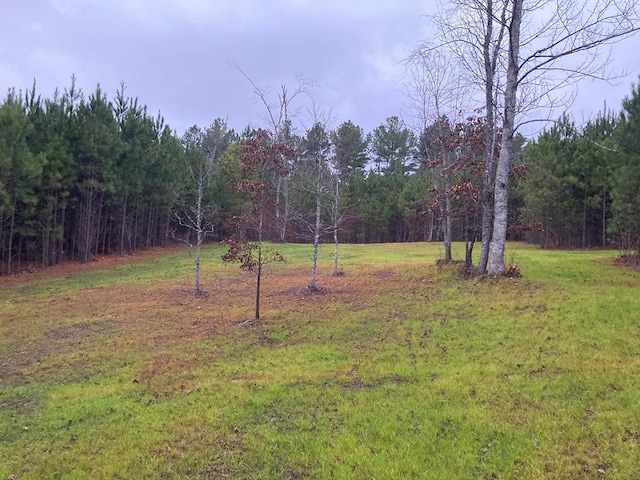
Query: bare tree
point(438, 96)
point(471, 39)
point(350, 146)
point(279, 116)
point(315, 150)
point(203, 149)
point(544, 55)
point(521, 55)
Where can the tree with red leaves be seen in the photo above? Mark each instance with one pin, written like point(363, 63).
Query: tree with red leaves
point(454, 152)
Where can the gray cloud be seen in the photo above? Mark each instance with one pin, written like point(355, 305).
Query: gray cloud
point(176, 56)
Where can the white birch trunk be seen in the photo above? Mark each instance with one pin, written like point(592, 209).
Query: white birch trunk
point(501, 194)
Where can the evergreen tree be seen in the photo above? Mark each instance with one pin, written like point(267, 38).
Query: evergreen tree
point(392, 145)
point(138, 139)
point(20, 173)
point(350, 157)
point(96, 152)
point(626, 179)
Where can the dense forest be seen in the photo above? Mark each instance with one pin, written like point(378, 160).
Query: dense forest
point(86, 175)
point(582, 185)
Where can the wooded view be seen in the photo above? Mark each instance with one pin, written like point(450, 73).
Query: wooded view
point(83, 176)
point(87, 175)
point(473, 314)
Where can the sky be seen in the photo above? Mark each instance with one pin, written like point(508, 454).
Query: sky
point(180, 57)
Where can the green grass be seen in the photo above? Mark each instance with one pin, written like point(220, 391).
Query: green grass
point(400, 369)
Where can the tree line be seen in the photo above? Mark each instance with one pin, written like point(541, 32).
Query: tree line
point(82, 176)
point(85, 176)
point(582, 185)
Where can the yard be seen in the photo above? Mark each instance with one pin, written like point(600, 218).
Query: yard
point(400, 368)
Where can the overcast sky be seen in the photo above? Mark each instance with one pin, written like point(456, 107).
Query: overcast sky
point(177, 56)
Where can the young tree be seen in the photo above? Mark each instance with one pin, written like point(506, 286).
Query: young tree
point(350, 157)
point(454, 152)
point(203, 149)
point(438, 95)
point(438, 156)
point(315, 149)
point(261, 158)
point(279, 116)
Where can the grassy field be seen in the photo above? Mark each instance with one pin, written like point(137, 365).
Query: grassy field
point(399, 369)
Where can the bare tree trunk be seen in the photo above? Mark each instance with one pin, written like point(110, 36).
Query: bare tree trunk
point(10, 246)
point(124, 222)
point(447, 230)
point(60, 241)
point(100, 228)
point(584, 220)
point(336, 220)
point(285, 213)
point(604, 220)
point(316, 231)
point(85, 227)
point(279, 223)
point(336, 268)
point(501, 194)
point(199, 291)
point(47, 228)
point(428, 229)
point(314, 263)
point(259, 271)
point(487, 216)
point(134, 242)
point(259, 277)
point(448, 234)
point(150, 217)
point(490, 70)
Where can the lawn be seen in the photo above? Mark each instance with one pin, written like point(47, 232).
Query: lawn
point(398, 369)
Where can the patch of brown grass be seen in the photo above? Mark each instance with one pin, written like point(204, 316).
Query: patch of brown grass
point(631, 261)
point(87, 328)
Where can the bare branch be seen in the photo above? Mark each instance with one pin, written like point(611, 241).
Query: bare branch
point(279, 115)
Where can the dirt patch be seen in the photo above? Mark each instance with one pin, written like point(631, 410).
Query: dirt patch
point(65, 337)
point(25, 361)
point(631, 261)
point(81, 331)
point(19, 404)
point(303, 291)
